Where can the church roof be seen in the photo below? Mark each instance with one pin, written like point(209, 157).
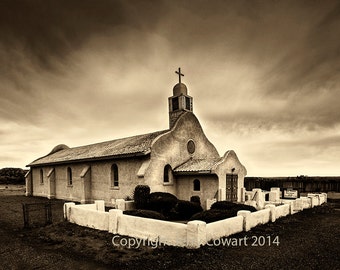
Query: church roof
point(197, 165)
point(125, 147)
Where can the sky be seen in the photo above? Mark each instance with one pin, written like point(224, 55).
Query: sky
point(264, 75)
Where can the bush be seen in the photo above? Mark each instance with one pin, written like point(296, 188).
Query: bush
point(185, 209)
point(145, 214)
point(225, 205)
point(221, 210)
point(141, 196)
point(213, 215)
point(162, 202)
point(196, 199)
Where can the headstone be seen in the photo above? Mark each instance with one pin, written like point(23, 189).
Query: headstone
point(290, 194)
point(274, 196)
point(100, 205)
point(120, 204)
point(259, 198)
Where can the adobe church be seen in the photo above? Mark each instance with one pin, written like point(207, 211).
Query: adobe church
point(179, 160)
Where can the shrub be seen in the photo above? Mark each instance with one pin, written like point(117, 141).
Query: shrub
point(162, 202)
point(221, 210)
point(225, 205)
point(213, 215)
point(145, 214)
point(185, 209)
point(141, 196)
point(196, 199)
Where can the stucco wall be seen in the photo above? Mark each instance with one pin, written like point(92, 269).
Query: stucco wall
point(40, 189)
point(185, 187)
point(100, 178)
point(282, 210)
point(226, 227)
point(128, 179)
point(63, 190)
point(260, 217)
point(170, 233)
point(171, 148)
point(90, 218)
point(230, 165)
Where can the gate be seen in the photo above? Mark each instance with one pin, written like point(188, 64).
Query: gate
point(37, 214)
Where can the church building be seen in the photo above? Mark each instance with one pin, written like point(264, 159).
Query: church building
point(179, 160)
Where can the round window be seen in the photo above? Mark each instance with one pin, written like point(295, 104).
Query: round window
point(191, 147)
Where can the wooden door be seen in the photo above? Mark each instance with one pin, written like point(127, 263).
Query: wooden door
point(231, 187)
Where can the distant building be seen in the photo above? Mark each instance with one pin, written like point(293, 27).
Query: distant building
point(180, 160)
point(300, 183)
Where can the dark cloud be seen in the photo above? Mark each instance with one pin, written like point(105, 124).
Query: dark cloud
point(53, 28)
point(78, 72)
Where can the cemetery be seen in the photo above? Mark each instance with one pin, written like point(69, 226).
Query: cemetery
point(193, 233)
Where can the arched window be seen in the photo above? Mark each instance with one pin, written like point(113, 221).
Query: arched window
point(197, 185)
point(69, 176)
point(167, 174)
point(114, 176)
point(41, 176)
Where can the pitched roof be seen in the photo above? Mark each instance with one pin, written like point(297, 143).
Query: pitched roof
point(130, 146)
point(197, 165)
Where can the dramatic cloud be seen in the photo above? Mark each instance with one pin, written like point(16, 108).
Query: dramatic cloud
point(264, 76)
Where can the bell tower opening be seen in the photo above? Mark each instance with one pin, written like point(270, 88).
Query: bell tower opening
point(180, 101)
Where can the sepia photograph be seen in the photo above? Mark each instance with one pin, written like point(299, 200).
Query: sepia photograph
point(169, 134)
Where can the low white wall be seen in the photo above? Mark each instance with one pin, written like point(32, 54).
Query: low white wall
point(91, 206)
point(306, 202)
point(226, 227)
point(259, 217)
point(170, 233)
point(89, 218)
point(191, 235)
point(314, 198)
point(282, 210)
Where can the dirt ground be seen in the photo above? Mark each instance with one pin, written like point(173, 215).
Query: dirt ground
point(306, 240)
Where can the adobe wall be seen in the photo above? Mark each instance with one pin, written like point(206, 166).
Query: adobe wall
point(100, 180)
point(38, 188)
point(185, 187)
point(128, 179)
point(171, 148)
point(230, 162)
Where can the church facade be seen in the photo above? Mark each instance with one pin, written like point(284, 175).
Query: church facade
point(179, 160)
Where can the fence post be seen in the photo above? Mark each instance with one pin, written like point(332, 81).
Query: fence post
point(67, 210)
point(114, 215)
point(48, 213)
point(26, 216)
point(272, 211)
point(196, 234)
point(246, 219)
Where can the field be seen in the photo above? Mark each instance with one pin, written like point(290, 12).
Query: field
point(307, 240)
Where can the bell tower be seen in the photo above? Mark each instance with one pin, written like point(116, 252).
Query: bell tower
point(180, 101)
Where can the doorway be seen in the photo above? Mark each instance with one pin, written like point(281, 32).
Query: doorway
point(231, 187)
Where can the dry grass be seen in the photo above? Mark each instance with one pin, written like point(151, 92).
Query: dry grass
point(308, 240)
